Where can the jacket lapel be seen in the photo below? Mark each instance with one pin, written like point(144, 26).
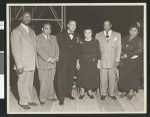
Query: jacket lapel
point(28, 36)
point(32, 36)
point(67, 37)
point(104, 39)
point(43, 39)
point(111, 36)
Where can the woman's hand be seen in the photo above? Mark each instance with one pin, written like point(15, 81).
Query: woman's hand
point(78, 65)
point(124, 56)
point(98, 64)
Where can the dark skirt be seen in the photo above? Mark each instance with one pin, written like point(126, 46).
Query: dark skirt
point(129, 75)
point(88, 74)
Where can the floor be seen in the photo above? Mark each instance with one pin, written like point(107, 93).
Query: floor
point(86, 105)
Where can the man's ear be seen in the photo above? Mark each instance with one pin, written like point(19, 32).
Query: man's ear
point(42, 29)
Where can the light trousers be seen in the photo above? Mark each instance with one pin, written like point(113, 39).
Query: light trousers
point(25, 87)
point(108, 80)
point(46, 78)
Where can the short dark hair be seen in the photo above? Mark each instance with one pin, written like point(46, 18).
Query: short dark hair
point(71, 21)
point(134, 26)
point(108, 21)
point(46, 23)
point(87, 28)
point(25, 13)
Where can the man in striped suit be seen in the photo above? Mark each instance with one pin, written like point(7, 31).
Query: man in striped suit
point(110, 47)
point(23, 48)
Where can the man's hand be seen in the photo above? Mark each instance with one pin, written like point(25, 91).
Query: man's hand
point(117, 63)
point(52, 60)
point(20, 70)
point(98, 64)
point(78, 65)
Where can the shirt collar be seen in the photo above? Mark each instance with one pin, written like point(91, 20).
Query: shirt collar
point(25, 27)
point(69, 31)
point(45, 36)
point(88, 39)
point(109, 32)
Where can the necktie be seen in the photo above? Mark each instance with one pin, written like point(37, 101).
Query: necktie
point(71, 35)
point(107, 36)
point(47, 37)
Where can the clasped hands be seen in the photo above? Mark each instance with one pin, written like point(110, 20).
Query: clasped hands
point(52, 60)
point(20, 70)
point(78, 64)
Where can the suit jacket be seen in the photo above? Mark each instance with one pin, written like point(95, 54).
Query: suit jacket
point(46, 48)
point(133, 47)
point(69, 49)
point(23, 48)
point(110, 49)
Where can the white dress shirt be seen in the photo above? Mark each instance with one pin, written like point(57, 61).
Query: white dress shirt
point(46, 36)
point(25, 27)
point(71, 36)
point(109, 32)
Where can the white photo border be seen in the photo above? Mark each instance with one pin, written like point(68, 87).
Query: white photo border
point(78, 4)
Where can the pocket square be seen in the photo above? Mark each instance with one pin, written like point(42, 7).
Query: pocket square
point(134, 57)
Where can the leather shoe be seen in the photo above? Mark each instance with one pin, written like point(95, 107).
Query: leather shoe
point(61, 102)
point(129, 97)
point(42, 103)
point(32, 103)
point(113, 97)
point(70, 97)
point(27, 107)
point(53, 99)
point(91, 96)
point(123, 95)
point(103, 97)
point(81, 96)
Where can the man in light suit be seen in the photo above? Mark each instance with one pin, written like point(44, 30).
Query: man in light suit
point(110, 47)
point(48, 54)
point(24, 52)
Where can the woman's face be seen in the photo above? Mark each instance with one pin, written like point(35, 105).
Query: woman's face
point(88, 33)
point(133, 32)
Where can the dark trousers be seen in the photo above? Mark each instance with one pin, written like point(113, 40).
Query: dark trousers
point(65, 74)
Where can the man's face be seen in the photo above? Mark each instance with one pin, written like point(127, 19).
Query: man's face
point(46, 29)
point(107, 25)
point(72, 26)
point(26, 18)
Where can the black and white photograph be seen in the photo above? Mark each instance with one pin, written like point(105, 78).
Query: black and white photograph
point(76, 58)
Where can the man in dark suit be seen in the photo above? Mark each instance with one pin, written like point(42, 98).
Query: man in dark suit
point(68, 46)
